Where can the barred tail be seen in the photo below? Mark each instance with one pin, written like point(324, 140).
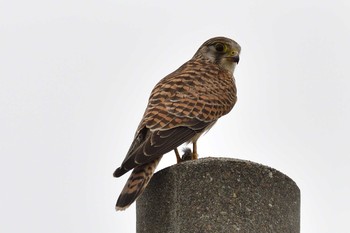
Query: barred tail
point(136, 184)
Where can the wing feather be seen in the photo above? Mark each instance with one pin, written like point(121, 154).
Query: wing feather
point(182, 105)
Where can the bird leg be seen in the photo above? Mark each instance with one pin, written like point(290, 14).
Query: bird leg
point(194, 153)
point(188, 154)
point(178, 158)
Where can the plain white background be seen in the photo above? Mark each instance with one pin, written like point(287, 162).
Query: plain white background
point(75, 77)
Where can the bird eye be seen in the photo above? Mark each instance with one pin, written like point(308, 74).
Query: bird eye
point(220, 47)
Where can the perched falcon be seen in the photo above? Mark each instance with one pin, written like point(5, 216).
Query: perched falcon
point(182, 106)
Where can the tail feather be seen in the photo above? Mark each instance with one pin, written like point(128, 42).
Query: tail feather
point(136, 184)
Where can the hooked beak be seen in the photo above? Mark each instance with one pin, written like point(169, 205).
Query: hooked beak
point(235, 59)
point(234, 56)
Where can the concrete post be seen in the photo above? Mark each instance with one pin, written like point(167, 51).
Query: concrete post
point(219, 195)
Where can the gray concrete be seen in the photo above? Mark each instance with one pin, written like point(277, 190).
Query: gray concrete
point(219, 195)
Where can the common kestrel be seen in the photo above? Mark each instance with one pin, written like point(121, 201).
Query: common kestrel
point(182, 106)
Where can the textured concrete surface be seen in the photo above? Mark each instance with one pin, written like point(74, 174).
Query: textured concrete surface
point(219, 195)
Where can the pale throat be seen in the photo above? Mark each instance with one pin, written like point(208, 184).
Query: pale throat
point(226, 64)
point(229, 66)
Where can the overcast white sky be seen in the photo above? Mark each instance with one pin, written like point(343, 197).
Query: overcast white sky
point(75, 77)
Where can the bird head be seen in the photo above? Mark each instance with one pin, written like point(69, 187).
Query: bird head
point(220, 50)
